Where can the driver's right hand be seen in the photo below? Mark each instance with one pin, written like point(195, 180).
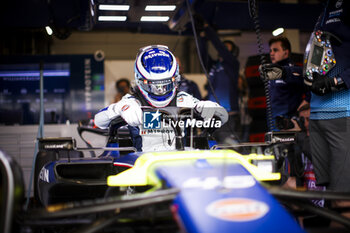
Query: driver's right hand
point(130, 110)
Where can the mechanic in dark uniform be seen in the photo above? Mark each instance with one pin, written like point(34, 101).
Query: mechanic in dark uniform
point(287, 92)
point(223, 76)
point(330, 103)
point(287, 89)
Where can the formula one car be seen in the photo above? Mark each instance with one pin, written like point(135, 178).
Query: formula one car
point(198, 189)
point(62, 173)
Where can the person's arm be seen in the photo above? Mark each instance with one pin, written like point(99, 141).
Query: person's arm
point(104, 117)
point(230, 64)
point(233, 72)
point(322, 85)
point(293, 75)
point(207, 60)
point(128, 108)
point(219, 46)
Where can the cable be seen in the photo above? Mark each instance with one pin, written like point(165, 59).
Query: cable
point(205, 71)
point(40, 132)
point(177, 41)
point(254, 15)
point(199, 52)
point(202, 63)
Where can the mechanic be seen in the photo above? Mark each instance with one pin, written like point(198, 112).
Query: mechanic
point(302, 171)
point(301, 149)
point(223, 76)
point(330, 103)
point(287, 90)
point(286, 83)
point(156, 78)
point(122, 87)
point(301, 126)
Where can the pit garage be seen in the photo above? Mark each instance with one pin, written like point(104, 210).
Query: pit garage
point(61, 64)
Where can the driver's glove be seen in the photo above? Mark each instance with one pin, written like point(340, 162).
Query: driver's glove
point(207, 109)
point(130, 110)
point(272, 71)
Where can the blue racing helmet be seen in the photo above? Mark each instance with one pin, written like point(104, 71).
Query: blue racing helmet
point(157, 74)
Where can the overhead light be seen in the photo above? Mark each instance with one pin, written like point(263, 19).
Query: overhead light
point(112, 18)
point(114, 7)
point(278, 31)
point(160, 7)
point(154, 18)
point(49, 30)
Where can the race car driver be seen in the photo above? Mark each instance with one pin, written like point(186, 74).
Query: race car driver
point(156, 79)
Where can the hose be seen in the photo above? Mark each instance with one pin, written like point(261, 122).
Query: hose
point(254, 15)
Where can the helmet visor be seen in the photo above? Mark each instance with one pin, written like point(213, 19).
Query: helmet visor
point(158, 87)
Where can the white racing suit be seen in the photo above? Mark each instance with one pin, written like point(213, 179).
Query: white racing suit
point(163, 138)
